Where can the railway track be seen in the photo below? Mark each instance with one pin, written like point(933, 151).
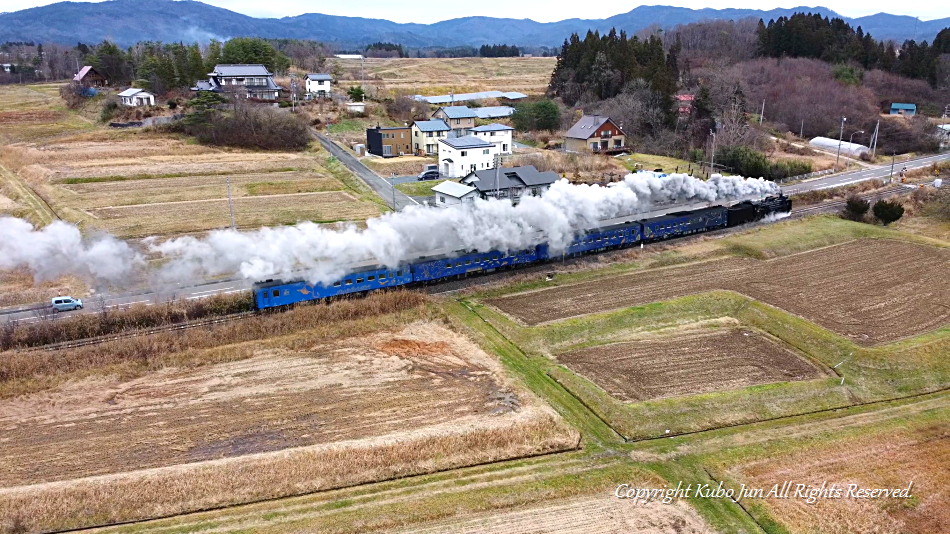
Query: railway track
point(136, 333)
point(835, 206)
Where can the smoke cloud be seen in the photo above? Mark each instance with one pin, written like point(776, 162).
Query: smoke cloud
point(59, 249)
point(324, 254)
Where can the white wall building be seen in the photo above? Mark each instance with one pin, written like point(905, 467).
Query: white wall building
point(319, 84)
point(497, 134)
point(451, 193)
point(136, 97)
point(459, 156)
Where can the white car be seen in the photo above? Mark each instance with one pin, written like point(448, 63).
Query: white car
point(61, 304)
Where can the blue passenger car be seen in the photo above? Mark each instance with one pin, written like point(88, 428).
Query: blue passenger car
point(683, 223)
point(279, 293)
point(436, 269)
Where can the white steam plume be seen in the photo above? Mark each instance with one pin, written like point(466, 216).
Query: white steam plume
point(325, 254)
point(59, 249)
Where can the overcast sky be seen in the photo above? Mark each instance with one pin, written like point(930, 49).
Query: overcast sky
point(539, 10)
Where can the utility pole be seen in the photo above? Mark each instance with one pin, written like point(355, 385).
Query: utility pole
point(840, 135)
point(392, 182)
point(231, 205)
point(712, 157)
point(293, 92)
point(801, 132)
point(762, 115)
point(893, 155)
point(497, 173)
point(874, 139)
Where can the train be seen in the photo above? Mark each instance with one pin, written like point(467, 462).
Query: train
point(438, 267)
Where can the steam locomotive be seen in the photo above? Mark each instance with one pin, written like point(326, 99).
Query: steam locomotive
point(613, 234)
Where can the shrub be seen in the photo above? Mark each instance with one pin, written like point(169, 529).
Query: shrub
point(109, 110)
point(247, 126)
point(356, 93)
point(888, 212)
point(855, 208)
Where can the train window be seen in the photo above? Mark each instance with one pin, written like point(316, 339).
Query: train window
point(468, 262)
point(398, 273)
point(359, 280)
point(336, 284)
point(276, 293)
point(448, 265)
point(349, 282)
point(458, 264)
point(370, 278)
point(286, 292)
point(382, 276)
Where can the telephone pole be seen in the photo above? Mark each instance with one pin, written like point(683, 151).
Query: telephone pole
point(840, 136)
point(762, 115)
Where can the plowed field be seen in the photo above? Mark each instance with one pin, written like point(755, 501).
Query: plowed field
point(281, 422)
point(870, 290)
point(688, 363)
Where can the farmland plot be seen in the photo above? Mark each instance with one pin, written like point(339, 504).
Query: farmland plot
point(871, 290)
point(688, 362)
point(285, 421)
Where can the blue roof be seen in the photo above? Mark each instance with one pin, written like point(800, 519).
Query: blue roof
point(464, 97)
point(467, 141)
point(459, 112)
point(897, 105)
point(494, 112)
point(434, 125)
point(494, 127)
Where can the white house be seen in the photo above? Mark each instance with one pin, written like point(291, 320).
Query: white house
point(459, 156)
point(136, 97)
point(426, 135)
point(451, 193)
point(319, 84)
point(497, 134)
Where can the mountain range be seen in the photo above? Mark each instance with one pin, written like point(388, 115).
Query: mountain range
point(129, 21)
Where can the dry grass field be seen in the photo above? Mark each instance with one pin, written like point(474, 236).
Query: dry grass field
point(914, 451)
point(440, 76)
point(872, 291)
point(602, 514)
point(301, 412)
point(688, 361)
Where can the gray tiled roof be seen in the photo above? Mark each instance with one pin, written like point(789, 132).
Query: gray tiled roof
point(586, 126)
point(459, 112)
point(526, 176)
point(319, 76)
point(494, 127)
point(434, 125)
point(467, 141)
point(240, 70)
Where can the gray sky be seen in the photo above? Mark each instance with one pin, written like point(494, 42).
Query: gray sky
point(539, 10)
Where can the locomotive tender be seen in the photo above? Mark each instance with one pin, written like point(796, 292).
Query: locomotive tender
point(365, 278)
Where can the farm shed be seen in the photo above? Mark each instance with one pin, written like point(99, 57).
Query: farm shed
point(898, 108)
point(136, 97)
point(451, 193)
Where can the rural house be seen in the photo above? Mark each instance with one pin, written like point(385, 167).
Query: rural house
point(511, 182)
point(388, 142)
point(459, 118)
point(136, 97)
point(903, 109)
point(319, 85)
point(426, 135)
point(90, 77)
point(594, 133)
point(252, 81)
point(459, 156)
point(450, 193)
point(497, 134)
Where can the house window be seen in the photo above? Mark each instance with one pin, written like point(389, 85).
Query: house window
point(457, 121)
point(442, 199)
point(504, 147)
point(387, 150)
point(485, 151)
point(593, 146)
point(428, 134)
point(464, 153)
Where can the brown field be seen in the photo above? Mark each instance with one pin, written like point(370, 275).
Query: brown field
point(307, 418)
point(871, 290)
point(890, 460)
point(433, 76)
point(686, 363)
point(601, 514)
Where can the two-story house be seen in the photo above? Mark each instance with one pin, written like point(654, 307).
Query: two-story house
point(594, 133)
point(510, 182)
point(388, 142)
point(250, 81)
point(319, 85)
point(497, 134)
point(459, 156)
point(460, 119)
point(426, 135)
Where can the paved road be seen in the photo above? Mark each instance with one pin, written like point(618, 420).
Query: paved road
point(381, 186)
point(838, 180)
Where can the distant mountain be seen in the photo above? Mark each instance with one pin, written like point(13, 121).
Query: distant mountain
point(130, 21)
